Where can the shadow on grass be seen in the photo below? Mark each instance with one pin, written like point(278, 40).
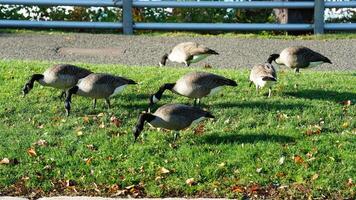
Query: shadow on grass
point(245, 138)
point(262, 105)
point(323, 95)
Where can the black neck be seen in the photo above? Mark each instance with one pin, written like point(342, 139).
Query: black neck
point(141, 122)
point(164, 59)
point(167, 86)
point(68, 100)
point(29, 85)
point(272, 58)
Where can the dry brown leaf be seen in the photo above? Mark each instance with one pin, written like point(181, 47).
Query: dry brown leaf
point(158, 178)
point(71, 183)
point(346, 102)
point(238, 189)
point(349, 182)
point(199, 130)
point(88, 161)
point(5, 161)
point(190, 181)
point(221, 164)
point(116, 121)
point(298, 159)
point(41, 126)
point(207, 66)
point(31, 152)
point(86, 119)
point(100, 115)
point(79, 133)
point(163, 170)
point(345, 125)
point(254, 188)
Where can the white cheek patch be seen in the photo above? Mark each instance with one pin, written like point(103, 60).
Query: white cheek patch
point(154, 99)
point(215, 90)
point(118, 90)
point(198, 120)
point(314, 64)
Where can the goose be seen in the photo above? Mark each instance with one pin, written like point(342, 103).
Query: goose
point(172, 117)
point(97, 86)
point(60, 76)
point(195, 85)
point(263, 75)
point(187, 53)
point(297, 57)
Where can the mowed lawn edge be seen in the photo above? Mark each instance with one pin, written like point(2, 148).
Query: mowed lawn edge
point(299, 143)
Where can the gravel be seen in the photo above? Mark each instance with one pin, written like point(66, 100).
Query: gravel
point(146, 50)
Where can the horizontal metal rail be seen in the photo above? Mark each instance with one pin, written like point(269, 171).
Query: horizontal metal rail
point(94, 3)
point(128, 25)
point(59, 24)
point(340, 4)
point(222, 4)
point(221, 26)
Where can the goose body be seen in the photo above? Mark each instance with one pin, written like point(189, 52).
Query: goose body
point(187, 53)
point(98, 86)
point(61, 76)
point(297, 57)
point(263, 75)
point(172, 117)
point(195, 85)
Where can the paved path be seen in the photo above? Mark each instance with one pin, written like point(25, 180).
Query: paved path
point(147, 50)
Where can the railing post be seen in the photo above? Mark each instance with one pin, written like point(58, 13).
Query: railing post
point(319, 9)
point(127, 21)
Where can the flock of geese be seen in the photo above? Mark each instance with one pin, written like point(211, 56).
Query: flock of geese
point(195, 85)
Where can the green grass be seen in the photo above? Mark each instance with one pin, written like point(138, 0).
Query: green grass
point(260, 35)
point(236, 155)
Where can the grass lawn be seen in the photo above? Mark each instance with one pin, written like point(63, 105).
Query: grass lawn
point(300, 143)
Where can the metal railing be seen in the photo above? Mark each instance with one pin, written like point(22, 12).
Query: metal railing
point(128, 25)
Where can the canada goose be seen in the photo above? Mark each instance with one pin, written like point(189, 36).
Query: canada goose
point(187, 53)
point(97, 86)
point(61, 76)
point(194, 85)
point(172, 117)
point(297, 57)
point(263, 75)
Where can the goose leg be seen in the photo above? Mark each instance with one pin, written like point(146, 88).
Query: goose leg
point(269, 92)
point(198, 101)
point(176, 135)
point(296, 70)
point(250, 83)
point(195, 102)
point(107, 100)
point(94, 103)
point(63, 95)
point(257, 91)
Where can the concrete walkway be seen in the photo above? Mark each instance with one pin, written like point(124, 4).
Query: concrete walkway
point(147, 50)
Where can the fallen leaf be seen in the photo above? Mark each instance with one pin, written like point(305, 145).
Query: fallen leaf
point(346, 102)
point(315, 176)
point(41, 142)
point(163, 170)
point(130, 187)
point(40, 126)
point(102, 125)
point(88, 161)
point(79, 133)
point(207, 66)
point(281, 160)
point(254, 188)
point(71, 183)
point(298, 159)
point(349, 182)
point(100, 115)
point(5, 161)
point(238, 189)
point(190, 181)
point(345, 125)
point(86, 119)
point(259, 170)
point(31, 152)
point(158, 178)
point(221, 164)
point(117, 122)
point(199, 130)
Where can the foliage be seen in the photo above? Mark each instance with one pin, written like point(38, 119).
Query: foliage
point(298, 144)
